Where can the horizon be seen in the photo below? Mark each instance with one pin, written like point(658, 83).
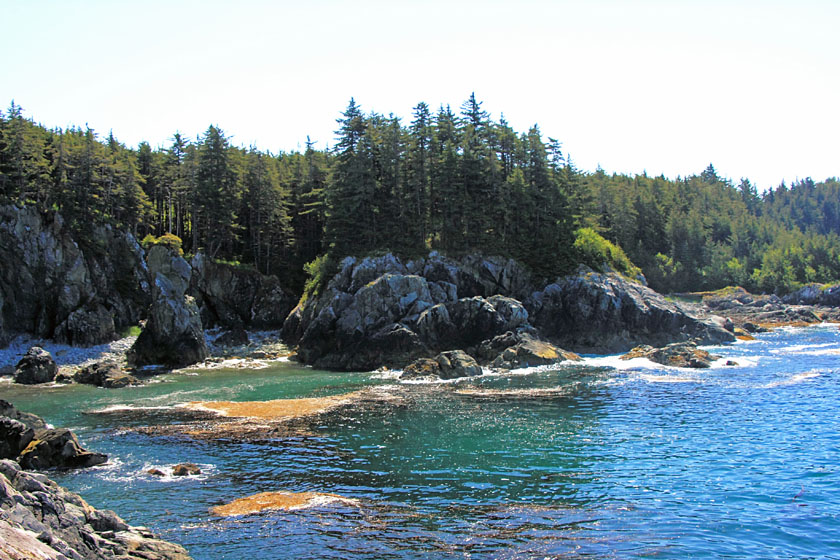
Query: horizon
point(647, 88)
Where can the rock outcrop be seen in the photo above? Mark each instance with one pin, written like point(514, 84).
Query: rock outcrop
point(58, 448)
point(678, 354)
point(381, 311)
point(36, 366)
point(520, 350)
point(756, 313)
point(107, 374)
point(63, 290)
point(446, 365)
point(232, 296)
point(604, 313)
point(173, 334)
point(815, 294)
point(27, 439)
point(39, 519)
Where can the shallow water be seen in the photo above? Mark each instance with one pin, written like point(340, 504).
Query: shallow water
point(609, 459)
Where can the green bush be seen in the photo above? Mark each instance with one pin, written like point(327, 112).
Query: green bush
point(167, 240)
point(594, 251)
point(319, 271)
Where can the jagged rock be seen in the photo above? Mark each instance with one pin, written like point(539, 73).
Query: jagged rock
point(14, 437)
point(155, 472)
point(446, 365)
point(678, 354)
point(234, 296)
point(39, 519)
point(530, 352)
point(59, 290)
point(173, 335)
point(597, 312)
point(36, 366)
point(8, 410)
point(58, 448)
point(236, 336)
point(379, 311)
point(106, 374)
point(815, 294)
point(186, 469)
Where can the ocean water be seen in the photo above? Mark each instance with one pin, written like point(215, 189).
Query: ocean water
point(604, 459)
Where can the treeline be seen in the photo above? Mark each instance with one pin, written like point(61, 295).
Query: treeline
point(454, 181)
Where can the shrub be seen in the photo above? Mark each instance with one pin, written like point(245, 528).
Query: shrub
point(167, 240)
point(594, 251)
point(319, 271)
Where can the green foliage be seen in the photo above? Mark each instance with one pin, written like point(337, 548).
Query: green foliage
point(597, 253)
point(319, 271)
point(454, 181)
point(169, 240)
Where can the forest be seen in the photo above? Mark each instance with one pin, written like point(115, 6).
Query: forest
point(452, 181)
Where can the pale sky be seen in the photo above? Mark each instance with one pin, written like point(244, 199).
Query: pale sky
point(659, 86)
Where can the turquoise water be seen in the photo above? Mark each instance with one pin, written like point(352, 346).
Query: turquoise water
point(607, 459)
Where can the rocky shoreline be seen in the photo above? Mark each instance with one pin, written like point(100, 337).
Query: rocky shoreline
point(41, 520)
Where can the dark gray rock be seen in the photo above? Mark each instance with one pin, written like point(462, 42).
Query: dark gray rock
point(36, 366)
point(14, 437)
point(236, 336)
point(61, 290)
point(58, 448)
point(107, 374)
point(595, 312)
point(232, 296)
point(380, 311)
point(173, 335)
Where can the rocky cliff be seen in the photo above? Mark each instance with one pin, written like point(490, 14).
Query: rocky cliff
point(173, 334)
point(237, 297)
point(52, 287)
point(382, 311)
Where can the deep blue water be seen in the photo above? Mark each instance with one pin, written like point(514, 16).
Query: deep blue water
point(608, 459)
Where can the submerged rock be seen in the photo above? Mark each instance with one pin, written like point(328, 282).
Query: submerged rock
point(679, 354)
point(39, 519)
point(283, 501)
point(173, 335)
point(36, 366)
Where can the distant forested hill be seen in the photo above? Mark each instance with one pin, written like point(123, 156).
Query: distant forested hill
point(455, 181)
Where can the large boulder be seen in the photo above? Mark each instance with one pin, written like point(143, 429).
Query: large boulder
point(60, 288)
point(107, 374)
point(36, 366)
point(521, 350)
point(595, 312)
point(678, 354)
point(173, 334)
point(58, 448)
point(235, 296)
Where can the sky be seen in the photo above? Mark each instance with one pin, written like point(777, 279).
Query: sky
point(656, 86)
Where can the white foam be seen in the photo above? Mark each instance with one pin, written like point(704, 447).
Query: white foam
point(793, 380)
